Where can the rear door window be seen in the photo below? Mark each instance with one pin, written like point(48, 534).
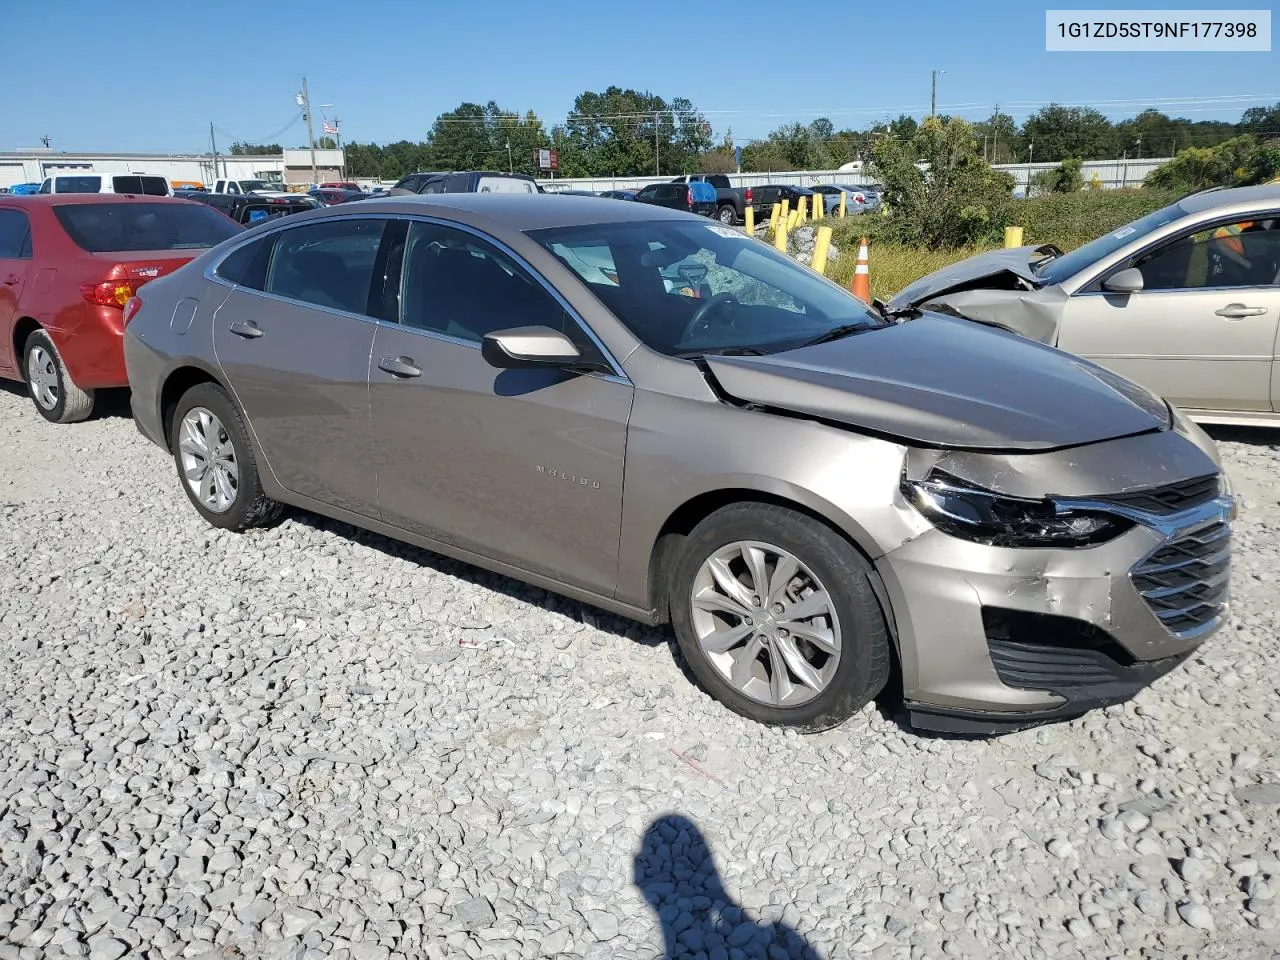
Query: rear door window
point(457, 183)
point(328, 263)
point(15, 235)
point(148, 186)
point(129, 226)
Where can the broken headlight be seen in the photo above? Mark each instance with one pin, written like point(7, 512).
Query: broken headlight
point(971, 513)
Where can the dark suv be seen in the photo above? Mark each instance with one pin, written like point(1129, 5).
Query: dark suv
point(467, 181)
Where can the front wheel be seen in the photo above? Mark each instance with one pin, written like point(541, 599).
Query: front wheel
point(726, 215)
point(777, 618)
point(216, 463)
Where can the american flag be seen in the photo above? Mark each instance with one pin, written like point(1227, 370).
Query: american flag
point(331, 128)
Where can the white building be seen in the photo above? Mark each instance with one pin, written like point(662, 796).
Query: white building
point(293, 167)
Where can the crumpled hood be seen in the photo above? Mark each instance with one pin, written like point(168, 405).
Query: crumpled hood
point(941, 382)
point(1016, 261)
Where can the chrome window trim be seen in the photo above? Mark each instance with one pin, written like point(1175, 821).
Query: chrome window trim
point(210, 274)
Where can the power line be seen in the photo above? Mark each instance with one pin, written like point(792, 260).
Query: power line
point(268, 139)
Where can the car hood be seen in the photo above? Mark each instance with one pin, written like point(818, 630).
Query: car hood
point(1014, 264)
point(941, 382)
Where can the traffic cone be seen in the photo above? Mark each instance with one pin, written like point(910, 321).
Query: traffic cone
point(861, 285)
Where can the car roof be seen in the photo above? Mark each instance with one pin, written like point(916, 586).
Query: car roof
point(520, 211)
point(1267, 194)
point(63, 199)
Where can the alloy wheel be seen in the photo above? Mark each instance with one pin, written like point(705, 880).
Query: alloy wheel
point(208, 458)
point(766, 623)
point(42, 377)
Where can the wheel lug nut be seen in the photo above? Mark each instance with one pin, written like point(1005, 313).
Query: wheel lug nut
point(777, 608)
point(755, 601)
point(748, 621)
point(782, 634)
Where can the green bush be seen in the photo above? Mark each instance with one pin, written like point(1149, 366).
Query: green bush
point(1234, 163)
point(939, 190)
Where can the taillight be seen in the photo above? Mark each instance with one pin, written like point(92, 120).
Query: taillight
point(131, 308)
point(859, 198)
point(688, 197)
point(748, 195)
point(110, 293)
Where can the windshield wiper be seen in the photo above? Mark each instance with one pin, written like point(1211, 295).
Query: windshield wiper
point(720, 352)
point(838, 333)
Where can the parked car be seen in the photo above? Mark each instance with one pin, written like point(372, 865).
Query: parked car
point(24, 189)
point(341, 185)
point(856, 201)
point(1185, 300)
point(571, 193)
point(265, 188)
point(68, 264)
point(249, 208)
point(329, 196)
point(773, 193)
point(679, 196)
point(131, 183)
point(731, 201)
point(474, 181)
point(620, 194)
point(816, 497)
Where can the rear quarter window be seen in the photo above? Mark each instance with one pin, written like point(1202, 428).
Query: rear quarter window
point(147, 186)
point(77, 184)
point(128, 227)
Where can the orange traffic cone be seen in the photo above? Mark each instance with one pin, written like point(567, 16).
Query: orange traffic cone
point(861, 285)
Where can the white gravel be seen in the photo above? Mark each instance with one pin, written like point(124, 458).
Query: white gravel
point(312, 742)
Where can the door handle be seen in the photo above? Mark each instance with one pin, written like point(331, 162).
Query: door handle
point(10, 281)
point(402, 367)
point(1238, 311)
point(246, 328)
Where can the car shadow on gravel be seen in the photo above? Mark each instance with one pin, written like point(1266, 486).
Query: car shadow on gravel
point(1255, 436)
point(107, 404)
point(675, 872)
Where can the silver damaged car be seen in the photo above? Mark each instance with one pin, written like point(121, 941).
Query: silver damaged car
point(669, 420)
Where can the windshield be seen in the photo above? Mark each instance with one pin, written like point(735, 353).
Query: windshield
point(687, 288)
point(252, 185)
point(128, 227)
point(1069, 264)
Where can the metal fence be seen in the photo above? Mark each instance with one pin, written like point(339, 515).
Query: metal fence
point(1110, 174)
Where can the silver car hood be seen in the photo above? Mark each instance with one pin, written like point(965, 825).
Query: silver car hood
point(940, 382)
point(969, 272)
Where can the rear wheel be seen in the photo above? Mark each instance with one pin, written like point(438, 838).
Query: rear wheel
point(57, 398)
point(727, 215)
point(776, 616)
point(216, 463)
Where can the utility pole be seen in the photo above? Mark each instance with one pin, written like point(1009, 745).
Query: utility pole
point(213, 141)
point(1138, 152)
point(304, 101)
point(933, 93)
point(657, 169)
point(995, 136)
point(46, 141)
point(511, 164)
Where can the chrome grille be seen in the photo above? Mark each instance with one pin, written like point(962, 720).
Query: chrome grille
point(1186, 581)
point(1169, 499)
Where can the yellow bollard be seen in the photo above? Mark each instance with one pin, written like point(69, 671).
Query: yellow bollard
point(821, 244)
point(802, 211)
point(784, 211)
point(844, 198)
point(773, 216)
point(793, 219)
point(780, 235)
point(1012, 237)
point(818, 206)
point(749, 215)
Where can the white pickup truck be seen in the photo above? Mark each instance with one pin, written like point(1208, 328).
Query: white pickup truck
point(263, 188)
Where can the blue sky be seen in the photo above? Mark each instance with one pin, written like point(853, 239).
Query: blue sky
point(153, 79)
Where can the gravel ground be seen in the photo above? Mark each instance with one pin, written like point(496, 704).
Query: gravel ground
point(312, 742)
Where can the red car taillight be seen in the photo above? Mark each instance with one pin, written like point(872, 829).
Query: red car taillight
point(109, 293)
point(688, 197)
point(748, 195)
point(131, 308)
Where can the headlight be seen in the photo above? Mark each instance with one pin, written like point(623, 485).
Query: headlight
point(971, 513)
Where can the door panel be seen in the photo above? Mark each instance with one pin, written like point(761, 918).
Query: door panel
point(298, 362)
point(15, 264)
point(1202, 332)
point(524, 466)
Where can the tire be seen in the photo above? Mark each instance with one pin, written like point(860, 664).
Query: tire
point(827, 564)
point(57, 398)
point(727, 215)
point(227, 492)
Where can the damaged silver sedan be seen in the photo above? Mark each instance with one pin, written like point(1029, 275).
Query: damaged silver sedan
point(1185, 301)
point(667, 419)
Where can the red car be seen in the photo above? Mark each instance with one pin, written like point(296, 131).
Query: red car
point(68, 264)
point(340, 185)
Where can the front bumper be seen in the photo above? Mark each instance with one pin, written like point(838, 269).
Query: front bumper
point(995, 639)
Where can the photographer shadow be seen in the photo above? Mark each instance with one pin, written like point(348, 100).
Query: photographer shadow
point(676, 874)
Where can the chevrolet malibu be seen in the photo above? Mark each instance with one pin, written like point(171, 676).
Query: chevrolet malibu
point(665, 418)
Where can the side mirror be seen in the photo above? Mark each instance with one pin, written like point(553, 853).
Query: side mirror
point(1126, 281)
point(522, 347)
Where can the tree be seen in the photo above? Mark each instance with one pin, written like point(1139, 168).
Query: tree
point(941, 191)
point(1058, 132)
point(326, 143)
point(239, 149)
point(616, 133)
point(1064, 178)
point(1237, 162)
point(999, 137)
point(1261, 122)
